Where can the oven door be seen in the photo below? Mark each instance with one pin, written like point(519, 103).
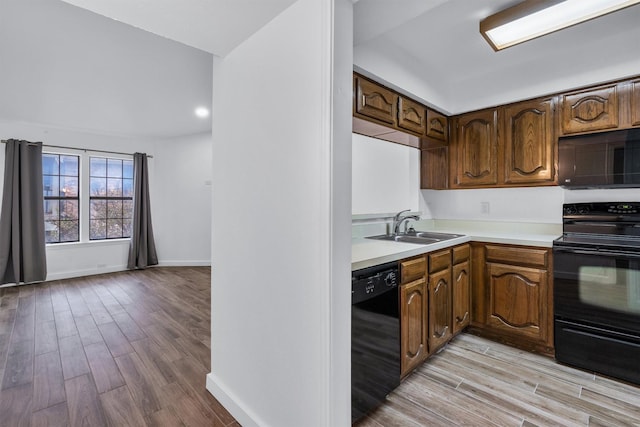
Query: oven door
point(597, 287)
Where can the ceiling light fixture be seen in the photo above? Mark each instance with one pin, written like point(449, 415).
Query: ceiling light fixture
point(534, 18)
point(203, 112)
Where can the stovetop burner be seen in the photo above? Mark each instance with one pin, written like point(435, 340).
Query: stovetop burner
point(598, 241)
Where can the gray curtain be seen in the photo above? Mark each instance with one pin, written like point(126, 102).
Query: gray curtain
point(22, 243)
point(142, 249)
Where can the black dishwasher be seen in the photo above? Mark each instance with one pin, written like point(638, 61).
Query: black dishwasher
point(375, 337)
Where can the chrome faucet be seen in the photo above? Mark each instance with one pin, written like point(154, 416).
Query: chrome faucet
point(398, 219)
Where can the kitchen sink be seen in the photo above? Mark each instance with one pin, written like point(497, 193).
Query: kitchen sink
point(419, 237)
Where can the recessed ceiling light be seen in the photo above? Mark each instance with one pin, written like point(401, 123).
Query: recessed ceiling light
point(202, 112)
point(534, 18)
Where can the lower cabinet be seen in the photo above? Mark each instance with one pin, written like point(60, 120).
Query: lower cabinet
point(413, 313)
point(434, 293)
point(513, 296)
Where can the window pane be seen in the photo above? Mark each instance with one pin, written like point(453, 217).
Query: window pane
point(69, 231)
point(126, 228)
point(127, 208)
point(114, 228)
point(98, 229)
point(114, 168)
point(51, 232)
point(98, 209)
point(51, 210)
point(69, 210)
point(127, 188)
point(50, 185)
point(97, 166)
point(127, 169)
point(50, 164)
point(114, 209)
point(98, 187)
point(69, 186)
point(69, 165)
point(114, 187)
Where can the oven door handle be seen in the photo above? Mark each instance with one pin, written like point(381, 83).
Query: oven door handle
point(604, 252)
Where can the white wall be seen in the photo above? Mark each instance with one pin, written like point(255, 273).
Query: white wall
point(177, 175)
point(281, 157)
point(182, 204)
point(385, 177)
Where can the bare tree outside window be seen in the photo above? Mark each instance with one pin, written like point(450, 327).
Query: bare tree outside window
point(110, 198)
point(60, 179)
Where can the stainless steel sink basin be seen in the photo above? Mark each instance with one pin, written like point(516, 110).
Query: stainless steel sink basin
point(419, 237)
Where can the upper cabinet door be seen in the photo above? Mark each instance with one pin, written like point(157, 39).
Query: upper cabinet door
point(529, 142)
point(375, 101)
point(476, 149)
point(411, 115)
point(635, 103)
point(437, 126)
point(589, 110)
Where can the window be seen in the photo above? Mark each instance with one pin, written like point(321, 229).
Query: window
point(110, 198)
point(60, 179)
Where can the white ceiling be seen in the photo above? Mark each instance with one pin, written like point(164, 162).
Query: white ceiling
point(215, 26)
point(65, 65)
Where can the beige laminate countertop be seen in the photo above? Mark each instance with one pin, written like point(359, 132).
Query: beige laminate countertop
point(369, 252)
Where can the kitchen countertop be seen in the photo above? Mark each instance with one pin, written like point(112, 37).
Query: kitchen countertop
point(369, 252)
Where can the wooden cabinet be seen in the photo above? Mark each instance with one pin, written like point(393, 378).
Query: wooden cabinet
point(476, 149)
point(437, 126)
point(460, 288)
point(374, 101)
point(529, 142)
point(434, 168)
point(439, 309)
point(411, 116)
point(512, 295)
point(635, 103)
point(413, 313)
point(589, 110)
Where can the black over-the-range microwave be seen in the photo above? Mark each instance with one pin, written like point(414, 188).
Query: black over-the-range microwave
point(600, 160)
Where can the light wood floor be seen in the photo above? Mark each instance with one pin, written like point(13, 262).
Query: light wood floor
point(117, 349)
point(476, 382)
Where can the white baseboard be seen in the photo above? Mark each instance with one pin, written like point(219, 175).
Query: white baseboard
point(231, 403)
point(190, 263)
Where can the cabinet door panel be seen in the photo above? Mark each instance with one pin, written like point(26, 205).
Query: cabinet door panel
point(517, 300)
point(589, 110)
point(413, 325)
point(477, 149)
point(437, 126)
point(375, 101)
point(461, 296)
point(434, 168)
point(635, 103)
point(439, 309)
point(529, 142)
point(411, 116)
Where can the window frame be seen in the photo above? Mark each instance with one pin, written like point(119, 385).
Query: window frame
point(84, 194)
point(59, 198)
point(108, 198)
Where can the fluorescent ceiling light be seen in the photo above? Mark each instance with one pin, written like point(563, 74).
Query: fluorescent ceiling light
point(535, 18)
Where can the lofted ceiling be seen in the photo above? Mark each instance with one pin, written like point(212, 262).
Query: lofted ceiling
point(125, 79)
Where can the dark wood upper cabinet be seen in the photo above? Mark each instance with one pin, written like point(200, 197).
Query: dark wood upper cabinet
point(437, 126)
point(589, 110)
point(375, 101)
point(476, 149)
point(411, 115)
point(529, 142)
point(635, 103)
point(434, 168)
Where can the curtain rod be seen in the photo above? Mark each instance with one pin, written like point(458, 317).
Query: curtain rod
point(4, 141)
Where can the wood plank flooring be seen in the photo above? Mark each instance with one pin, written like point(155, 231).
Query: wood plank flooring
point(476, 382)
point(119, 349)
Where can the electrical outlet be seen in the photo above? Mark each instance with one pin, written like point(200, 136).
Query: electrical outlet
point(484, 208)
